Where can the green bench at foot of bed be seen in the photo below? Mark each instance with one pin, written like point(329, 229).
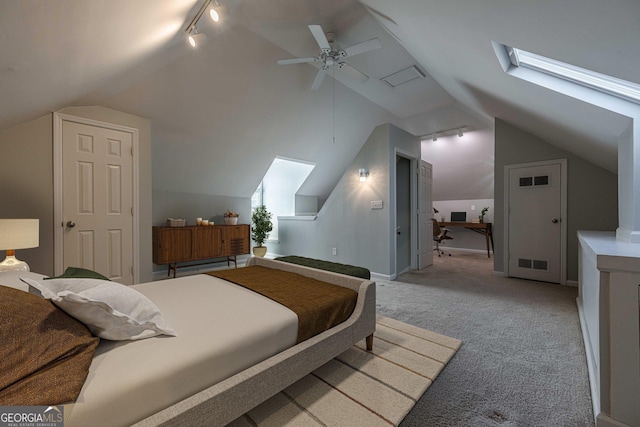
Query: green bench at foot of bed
point(349, 270)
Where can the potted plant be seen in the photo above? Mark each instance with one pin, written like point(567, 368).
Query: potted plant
point(260, 229)
point(231, 218)
point(483, 213)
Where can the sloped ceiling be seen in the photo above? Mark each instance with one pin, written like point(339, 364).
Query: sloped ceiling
point(452, 40)
point(220, 114)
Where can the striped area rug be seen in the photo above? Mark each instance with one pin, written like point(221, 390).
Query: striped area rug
point(361, 388)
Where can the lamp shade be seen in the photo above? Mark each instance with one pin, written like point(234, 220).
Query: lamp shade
point(19, 234)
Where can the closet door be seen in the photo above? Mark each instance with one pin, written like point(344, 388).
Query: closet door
point(97, 186)
point(535, 218)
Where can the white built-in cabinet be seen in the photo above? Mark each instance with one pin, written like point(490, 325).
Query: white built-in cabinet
point(609, 308)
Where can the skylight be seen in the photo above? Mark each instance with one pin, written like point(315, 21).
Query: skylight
point(601, 82)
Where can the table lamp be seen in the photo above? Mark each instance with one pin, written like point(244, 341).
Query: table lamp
point(17, 234)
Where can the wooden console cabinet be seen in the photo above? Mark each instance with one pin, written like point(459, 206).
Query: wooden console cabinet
point(172, 245)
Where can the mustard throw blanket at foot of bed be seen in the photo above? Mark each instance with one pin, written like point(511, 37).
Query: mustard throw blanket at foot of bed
point(318, 305)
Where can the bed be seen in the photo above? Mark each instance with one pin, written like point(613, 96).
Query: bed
point(167, 380)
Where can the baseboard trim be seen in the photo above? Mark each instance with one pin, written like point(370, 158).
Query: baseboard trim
point(378, 276)
point(603, 420)
point(591, 365)
point(499, 273)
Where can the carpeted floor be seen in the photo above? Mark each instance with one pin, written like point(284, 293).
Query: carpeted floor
point(522, 362)
point(358, 387)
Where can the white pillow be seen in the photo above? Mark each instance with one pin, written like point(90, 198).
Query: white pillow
point(110, 310)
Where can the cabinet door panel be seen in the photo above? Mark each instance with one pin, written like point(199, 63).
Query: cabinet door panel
point(236, 239)
point(208, 242)
point(175, 245)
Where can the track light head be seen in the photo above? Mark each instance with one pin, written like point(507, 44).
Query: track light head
point(196, 38)
point(213, 14)
point(460, 132)
point(435, 137)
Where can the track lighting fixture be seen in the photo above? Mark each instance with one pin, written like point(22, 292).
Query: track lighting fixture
point(213, 8)
point(449, 132)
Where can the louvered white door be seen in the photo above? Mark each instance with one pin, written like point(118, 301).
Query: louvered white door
point(97, 167)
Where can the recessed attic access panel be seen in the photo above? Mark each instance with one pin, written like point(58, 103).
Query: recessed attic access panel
point(534, 214)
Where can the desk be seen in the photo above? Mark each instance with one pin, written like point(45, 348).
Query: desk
point(483, 228)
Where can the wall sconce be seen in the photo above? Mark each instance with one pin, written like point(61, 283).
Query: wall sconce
point(364, 174)
point(17, 234)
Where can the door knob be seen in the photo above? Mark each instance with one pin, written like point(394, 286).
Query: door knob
point(554, 220)
point(71, 224)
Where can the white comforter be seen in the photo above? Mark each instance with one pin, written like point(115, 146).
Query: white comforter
point(222, 329)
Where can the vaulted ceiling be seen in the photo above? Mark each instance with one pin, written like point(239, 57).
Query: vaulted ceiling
point(231, 100)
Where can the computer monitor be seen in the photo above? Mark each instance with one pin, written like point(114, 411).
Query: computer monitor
point(458, 217)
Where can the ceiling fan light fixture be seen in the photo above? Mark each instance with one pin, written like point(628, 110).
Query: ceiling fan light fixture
point(331, 55)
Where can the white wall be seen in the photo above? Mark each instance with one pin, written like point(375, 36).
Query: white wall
point(462, 166)
point(26, 172)
point(361, 236)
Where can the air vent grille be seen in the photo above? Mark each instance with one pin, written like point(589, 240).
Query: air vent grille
point(534, 264)
point(535, 181)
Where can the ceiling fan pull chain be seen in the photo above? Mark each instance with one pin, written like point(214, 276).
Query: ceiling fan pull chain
point(333, 101)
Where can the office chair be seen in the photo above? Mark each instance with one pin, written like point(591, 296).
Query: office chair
point(440, 234)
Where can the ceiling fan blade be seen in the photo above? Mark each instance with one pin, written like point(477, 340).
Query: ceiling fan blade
point(318, 80)
point(363, 47)
point(296, 60)
point(321, 38)
point(353, 72)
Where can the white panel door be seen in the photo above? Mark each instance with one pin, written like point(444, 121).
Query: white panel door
point(425, 213)
point(534, 218)
point(97, 175)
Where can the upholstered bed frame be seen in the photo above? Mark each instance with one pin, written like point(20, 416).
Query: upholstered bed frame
point(223, 402)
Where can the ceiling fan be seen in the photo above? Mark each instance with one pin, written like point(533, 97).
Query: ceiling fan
point(333, 55)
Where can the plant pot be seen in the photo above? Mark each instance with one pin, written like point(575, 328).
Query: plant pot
point(231, 220)
point(260, 251)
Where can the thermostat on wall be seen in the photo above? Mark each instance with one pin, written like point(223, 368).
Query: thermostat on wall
point(376, 204)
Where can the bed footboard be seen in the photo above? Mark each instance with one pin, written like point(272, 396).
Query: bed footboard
point(221, 403)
